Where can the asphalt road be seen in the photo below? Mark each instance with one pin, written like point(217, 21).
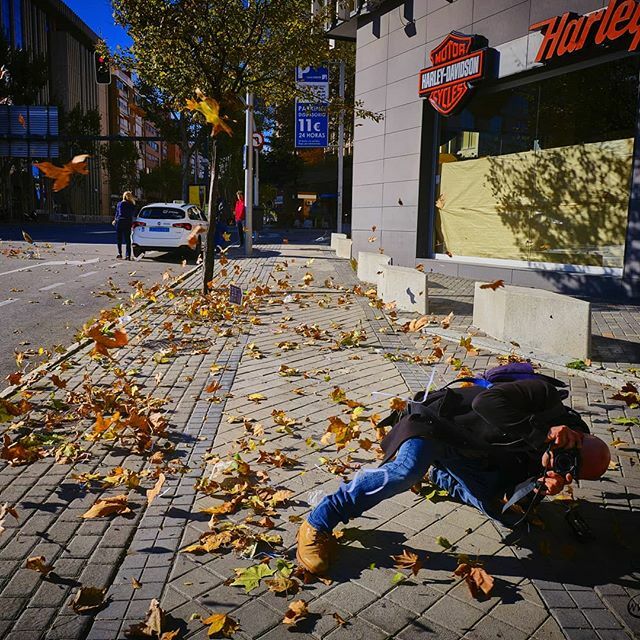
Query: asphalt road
point(48, 291)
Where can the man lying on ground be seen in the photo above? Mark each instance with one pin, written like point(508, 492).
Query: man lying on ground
point(477, 443)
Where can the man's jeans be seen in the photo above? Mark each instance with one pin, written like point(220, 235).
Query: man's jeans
point(466, 479)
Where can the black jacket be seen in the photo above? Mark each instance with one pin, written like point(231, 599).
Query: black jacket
point(508, 418)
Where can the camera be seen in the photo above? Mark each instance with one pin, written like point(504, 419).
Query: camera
point(566, 461)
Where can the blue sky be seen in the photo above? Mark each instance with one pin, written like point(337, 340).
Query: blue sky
point(97, 14)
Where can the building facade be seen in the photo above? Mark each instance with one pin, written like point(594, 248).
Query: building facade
point(50, 29)
point(509, 147)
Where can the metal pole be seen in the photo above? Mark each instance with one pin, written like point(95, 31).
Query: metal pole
point(256, 184)
point(248, 176)
point(340, 150)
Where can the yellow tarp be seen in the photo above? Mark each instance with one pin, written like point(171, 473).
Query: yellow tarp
point(566, 205)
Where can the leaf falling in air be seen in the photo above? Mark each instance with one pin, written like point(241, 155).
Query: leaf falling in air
point(496, 284)
point(62, 175)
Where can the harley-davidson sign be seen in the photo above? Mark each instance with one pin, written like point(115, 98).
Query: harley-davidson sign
point(457, 62)
point(570, 32)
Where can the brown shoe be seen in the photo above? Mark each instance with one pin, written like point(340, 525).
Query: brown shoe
point(314, 549)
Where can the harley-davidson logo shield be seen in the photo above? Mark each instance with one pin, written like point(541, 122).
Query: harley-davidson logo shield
point(456, 64)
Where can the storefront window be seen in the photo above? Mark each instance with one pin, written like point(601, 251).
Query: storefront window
point(541, 172)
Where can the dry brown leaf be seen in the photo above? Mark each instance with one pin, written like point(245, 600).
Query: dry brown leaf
point(152, 625)
point(39, 564)
point(152, 494)
point(496, 284)
point(408, 560)
point(282, 585)
point(477, 579)
point(221, 625)
point(296, 612)
point(87, 599)
point(135, 584)
point(114, 505)
point(5, 509)
point(445, 323)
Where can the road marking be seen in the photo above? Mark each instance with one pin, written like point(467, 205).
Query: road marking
point(9, 301)
point(52, 286)
point(52, 263)
point(89, 273)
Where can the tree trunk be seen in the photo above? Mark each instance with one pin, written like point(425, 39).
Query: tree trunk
point(211, 232)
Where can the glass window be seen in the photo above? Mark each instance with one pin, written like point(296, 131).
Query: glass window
point(161, 213)
point(153, 145)
point(541, 172)
point(17, 24)
point(6, 19)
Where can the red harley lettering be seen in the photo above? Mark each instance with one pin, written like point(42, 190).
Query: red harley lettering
point(570, 33)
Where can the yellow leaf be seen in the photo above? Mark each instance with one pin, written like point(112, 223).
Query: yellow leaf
point(221, 624)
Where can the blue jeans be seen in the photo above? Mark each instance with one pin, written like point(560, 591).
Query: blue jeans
point(466, 479)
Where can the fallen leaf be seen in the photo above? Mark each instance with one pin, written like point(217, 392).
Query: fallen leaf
point(5, 509)
point(135, 584)
point(339, 619)
point(282, 585)
point(114, 505)
point(496, 284)
point(250, 577)
point(152, 625)
point(297, 611)
point(87, 599)
point(477, 579)
point(152, 494)
point(408, 560)
point(221, 625)
point(39, 564)
point(443, 542)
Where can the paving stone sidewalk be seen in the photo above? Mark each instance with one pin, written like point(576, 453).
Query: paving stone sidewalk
point(548, 585)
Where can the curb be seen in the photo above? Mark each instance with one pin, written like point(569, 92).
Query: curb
point(77, 346)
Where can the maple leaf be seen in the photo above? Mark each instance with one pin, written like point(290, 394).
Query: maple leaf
point(212, 387)
point(221, 625)
point(61, 384)
point(282, 585)
point(87, 599)
point(39, 564)
point(629, 395)
point(14, 378)
point(408, 560)
point(62, 175)
point(396, 404)
point(152, 494)
point(297, 611)
point(256, 397)
point(250, 577)
point(227, 236)
point(152, 625)
point(135, 583)
point(210, 109)
point(22, 121)
point(496, 284)
point(18, 453)
point(114, 505)
point(477, 579)
point(104, 342)
point(466, 343)
point(416, 325)
point(445, 323)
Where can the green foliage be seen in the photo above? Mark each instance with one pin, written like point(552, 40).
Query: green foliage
point(162, 183)
point(119, 159)
point(250, 577)
point(579, 365)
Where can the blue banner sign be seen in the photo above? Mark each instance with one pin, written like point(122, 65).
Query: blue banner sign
point(312, 125)
point(311, 74)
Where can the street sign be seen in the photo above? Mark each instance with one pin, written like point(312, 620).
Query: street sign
point(235, 294)
point(311, 74)
point(258, 140)
point(312, 125)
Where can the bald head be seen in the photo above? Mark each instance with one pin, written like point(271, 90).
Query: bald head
point(594, 458)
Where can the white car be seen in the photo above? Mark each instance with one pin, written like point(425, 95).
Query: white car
point(167, 226)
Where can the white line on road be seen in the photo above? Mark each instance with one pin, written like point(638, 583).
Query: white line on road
point(52, 286)
point(53, 263)
point(89, 273)
point(9, 301)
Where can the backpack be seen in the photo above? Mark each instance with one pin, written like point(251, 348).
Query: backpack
point(511, 372)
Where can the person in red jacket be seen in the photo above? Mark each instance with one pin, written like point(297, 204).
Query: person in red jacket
point(239, 214)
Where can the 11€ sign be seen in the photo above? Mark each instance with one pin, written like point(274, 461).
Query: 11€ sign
point(312, 119)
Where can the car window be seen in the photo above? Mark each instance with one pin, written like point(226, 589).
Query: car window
point(161, 213)
point(194, 214)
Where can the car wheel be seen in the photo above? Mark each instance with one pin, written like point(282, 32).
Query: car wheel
point(137, 251)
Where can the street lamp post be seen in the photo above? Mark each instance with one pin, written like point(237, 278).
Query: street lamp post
point(340, 199)
point(248, 175)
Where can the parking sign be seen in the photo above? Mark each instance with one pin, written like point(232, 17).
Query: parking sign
point(312, 119)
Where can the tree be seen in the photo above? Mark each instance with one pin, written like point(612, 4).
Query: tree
point(162, 183)
point(224, 48)
point(120, 160)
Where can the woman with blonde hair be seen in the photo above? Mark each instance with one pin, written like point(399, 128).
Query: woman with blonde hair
point(125, 213)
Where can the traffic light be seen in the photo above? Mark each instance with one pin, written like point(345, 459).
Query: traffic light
point(103, 68)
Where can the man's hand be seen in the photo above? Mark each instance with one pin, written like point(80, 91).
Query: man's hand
point(564, 438)
point(553, 483)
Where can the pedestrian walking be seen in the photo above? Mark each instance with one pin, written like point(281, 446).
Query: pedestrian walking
point(239, 215)
point(125, 212)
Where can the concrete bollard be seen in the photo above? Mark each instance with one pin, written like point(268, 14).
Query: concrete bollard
point(406, 287)
point(535, 318)
point(336, 236)
point(343, 248)
point(370, 265)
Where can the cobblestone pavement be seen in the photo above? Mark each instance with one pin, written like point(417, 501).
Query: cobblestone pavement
point(548, 584)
